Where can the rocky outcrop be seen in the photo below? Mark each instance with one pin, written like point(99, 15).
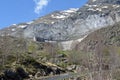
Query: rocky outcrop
point(20, 73)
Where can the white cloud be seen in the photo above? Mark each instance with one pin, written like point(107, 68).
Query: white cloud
point(40, 4)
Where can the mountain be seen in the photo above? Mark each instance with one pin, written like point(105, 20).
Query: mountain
point(69, 24)
point(80, 42)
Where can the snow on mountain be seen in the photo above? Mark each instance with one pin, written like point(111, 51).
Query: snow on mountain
point(71, 10)
point(30, 22)
point(58, 16)
point(22, 26)
point(65, 13)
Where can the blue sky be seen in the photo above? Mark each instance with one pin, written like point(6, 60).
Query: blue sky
point(18, 11)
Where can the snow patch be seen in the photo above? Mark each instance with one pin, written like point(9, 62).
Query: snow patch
point(13, 29)
point(52, 22)
point(79, 40)
point(59, 17)
point(91, 5)
point(105, 7)
point(94, 0)
point(94, 5)
point(22, 26)
point(71, 10)
point(98, 9)
point(116, 6)
point(91, 9)
point(30, 22)
point(65, 13)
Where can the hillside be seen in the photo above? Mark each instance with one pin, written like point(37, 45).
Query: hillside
point(108, 36)
point(102, 48)
point(23, 59)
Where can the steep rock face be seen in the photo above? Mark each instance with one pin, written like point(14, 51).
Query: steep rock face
point(61, 26)
point(71, 24)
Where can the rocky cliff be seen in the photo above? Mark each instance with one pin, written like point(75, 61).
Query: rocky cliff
point(70, 25)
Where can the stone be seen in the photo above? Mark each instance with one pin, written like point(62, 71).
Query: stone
point(71, 67)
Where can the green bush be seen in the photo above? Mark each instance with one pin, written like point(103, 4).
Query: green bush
point(32, 47)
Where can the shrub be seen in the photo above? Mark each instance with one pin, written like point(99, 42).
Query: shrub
point(76, 57)
point(10, 59)
point(32, 47)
